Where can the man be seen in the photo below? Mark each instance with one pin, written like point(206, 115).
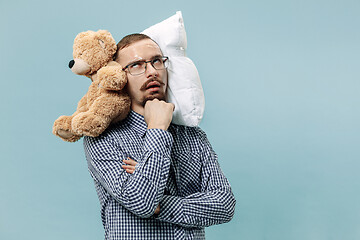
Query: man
point(154, 179)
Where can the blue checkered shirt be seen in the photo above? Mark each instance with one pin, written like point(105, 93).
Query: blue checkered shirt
point(176, 168)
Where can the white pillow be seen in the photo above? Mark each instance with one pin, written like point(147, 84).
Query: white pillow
point(184, 86)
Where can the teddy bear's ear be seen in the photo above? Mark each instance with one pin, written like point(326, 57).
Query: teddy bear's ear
point(102, 44)
point(83, 34)
point(106, 41)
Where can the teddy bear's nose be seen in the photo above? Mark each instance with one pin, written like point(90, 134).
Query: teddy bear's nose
point(71, 63)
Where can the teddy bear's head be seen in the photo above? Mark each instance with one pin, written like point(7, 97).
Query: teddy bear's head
point(91, 51)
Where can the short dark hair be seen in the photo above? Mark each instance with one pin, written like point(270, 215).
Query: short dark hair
point(128, 40)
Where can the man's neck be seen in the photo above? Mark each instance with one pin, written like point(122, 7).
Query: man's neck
point(138, 109)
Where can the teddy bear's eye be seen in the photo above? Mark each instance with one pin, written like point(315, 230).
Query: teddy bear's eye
point(102, 44)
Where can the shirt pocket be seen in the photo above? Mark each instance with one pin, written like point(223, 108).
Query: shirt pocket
point(189, 171)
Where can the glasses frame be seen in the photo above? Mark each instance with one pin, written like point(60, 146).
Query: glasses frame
point(164, 58)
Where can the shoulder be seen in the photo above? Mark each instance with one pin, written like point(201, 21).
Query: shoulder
point(105, 142)
point(112, 132)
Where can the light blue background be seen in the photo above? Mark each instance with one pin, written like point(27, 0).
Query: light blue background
point(281, 80)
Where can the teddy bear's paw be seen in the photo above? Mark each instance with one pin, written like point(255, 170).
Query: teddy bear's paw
point(88, 124)
point(63, 122)
point(64, 133)
point(62, 129)
point(111, 78)
point(68, 136)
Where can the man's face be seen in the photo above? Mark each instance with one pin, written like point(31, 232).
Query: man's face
point(152, 83)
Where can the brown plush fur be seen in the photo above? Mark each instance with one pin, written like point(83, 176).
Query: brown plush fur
point(106, 101)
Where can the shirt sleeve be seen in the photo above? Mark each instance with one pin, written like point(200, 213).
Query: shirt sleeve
point(141, 191)
point(214, 204)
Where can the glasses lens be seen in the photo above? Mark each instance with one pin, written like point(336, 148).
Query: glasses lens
point(159, 63)
point(137, 68)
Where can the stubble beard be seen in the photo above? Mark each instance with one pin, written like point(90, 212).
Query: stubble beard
point(155, 95)
point(160, 95)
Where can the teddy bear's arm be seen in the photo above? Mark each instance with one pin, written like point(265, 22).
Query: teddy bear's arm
point(82, 105)
point(112, 77)
point(106, 108)
point(62, 125)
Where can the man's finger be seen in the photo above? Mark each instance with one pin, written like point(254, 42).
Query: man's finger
point(128, 166)
point(130, 161)
point(129, 171)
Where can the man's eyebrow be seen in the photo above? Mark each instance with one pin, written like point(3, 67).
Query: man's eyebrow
point(156, 56)
point(143, 60)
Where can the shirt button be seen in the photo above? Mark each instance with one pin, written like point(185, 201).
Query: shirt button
point(171, 215)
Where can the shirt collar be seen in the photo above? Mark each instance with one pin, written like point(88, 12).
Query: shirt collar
point(137, 122)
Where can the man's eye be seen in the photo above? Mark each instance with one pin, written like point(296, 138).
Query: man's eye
point(157, 61)
point(136, 65)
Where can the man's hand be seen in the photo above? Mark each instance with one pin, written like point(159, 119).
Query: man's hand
point(130, 167)
point(158, 114)
point(157, 210)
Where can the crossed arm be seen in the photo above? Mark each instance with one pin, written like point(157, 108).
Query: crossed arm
point(129, 167)
point(140, 188)
point(214, 204)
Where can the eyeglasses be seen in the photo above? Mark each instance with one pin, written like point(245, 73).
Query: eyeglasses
point(139, 67)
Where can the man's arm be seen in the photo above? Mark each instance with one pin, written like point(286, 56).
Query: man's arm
point(130, 168)
point(141, 191)
point(214, 204)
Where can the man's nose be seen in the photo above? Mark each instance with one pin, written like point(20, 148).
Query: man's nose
point(150, 70)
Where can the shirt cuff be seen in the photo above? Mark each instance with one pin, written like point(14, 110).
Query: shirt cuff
point(158, 140)
point(171, 209)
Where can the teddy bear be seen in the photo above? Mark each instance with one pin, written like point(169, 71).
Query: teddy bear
point(106, 101)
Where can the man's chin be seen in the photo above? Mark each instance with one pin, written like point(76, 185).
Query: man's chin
point(158, 96)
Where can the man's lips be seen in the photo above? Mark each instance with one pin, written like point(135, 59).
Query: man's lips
point(152, 85)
